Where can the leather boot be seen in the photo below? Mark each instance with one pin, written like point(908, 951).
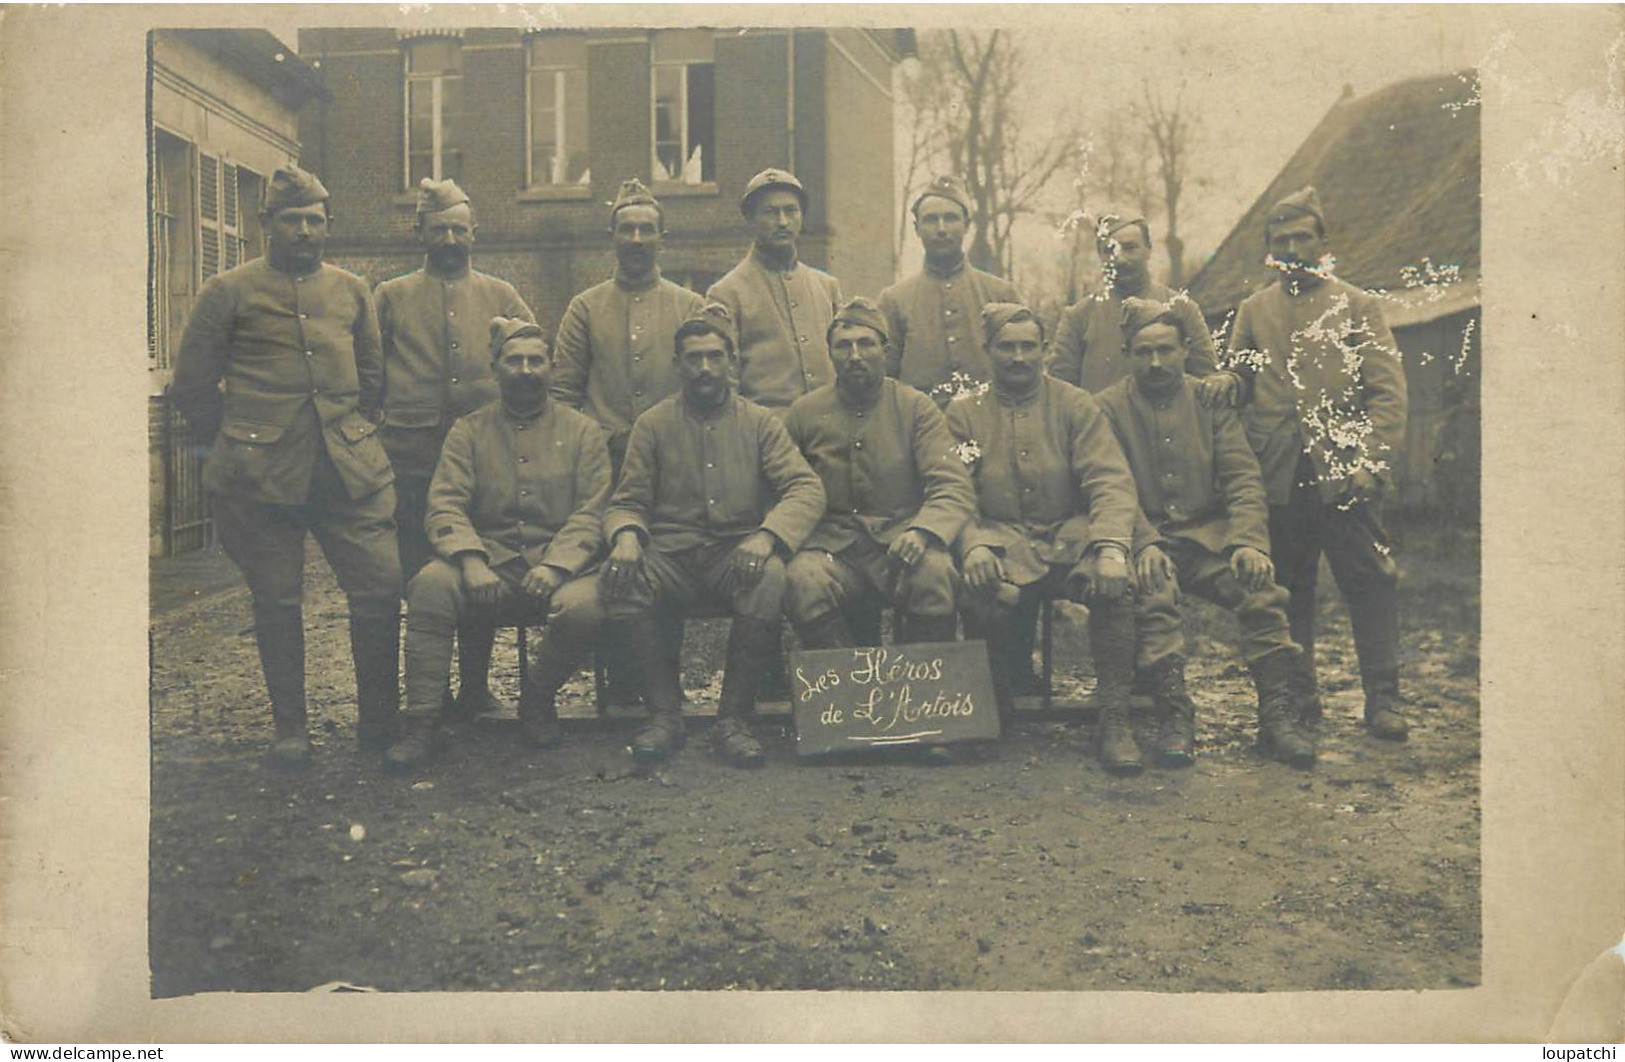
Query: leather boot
point(1279, 732)
point(375, 643)
point(662, 692)
point(279, 632)
point(1382, 716)
point(1305, 689)
point(416, 747)
point(828, 631)
point(920, 628)
point(1111, 638)
point(474, 697)
point(1176, 740)
point(750, 643)
point(551, 665)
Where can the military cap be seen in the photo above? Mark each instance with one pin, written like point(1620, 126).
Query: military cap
point(633, 193)
point(945, 187)
point(858, 310)
point(1138, 312)
point(712, 317)
point(291, 186)
point(505, 330)
point(772, 178)
point(995, 315)
point(1111, 222)
point(1304, 203)
point(435, 196)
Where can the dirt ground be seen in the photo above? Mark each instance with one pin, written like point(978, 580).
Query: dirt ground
point(505, 869)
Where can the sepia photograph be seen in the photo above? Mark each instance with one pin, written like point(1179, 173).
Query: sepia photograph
point(379, 255)
point(761, 507)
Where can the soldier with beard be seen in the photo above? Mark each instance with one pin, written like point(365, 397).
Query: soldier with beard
point(433, 325)
point(514, 515)
point(1322, 397)
point(897, 495)
point(293, 451)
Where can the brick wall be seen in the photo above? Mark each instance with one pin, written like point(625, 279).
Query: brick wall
point(549, 248)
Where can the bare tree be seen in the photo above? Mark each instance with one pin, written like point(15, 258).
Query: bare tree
point(968, 118)
point(1172, 126)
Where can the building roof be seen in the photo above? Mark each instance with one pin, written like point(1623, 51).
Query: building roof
point(1398, 174)
point(259, 56)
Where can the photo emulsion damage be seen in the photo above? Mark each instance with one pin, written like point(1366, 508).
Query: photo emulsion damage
point(813, 508)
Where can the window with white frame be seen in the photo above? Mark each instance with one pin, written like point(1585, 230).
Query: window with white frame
point(434, 109)
point(556, 102)
point(682, 88)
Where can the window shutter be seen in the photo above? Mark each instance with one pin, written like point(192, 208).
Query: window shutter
point(208, 187)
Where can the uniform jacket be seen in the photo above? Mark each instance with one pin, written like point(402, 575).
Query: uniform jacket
point(437, 358)
point(515, 487)
point(299, 357)
point(1089, 348)
point(783, 319)
point(885, 469)
point(934, 322)
point(1320, 375)
point(1197, 478)
point(691, 480)
point(613, 357)
point(1051, 481)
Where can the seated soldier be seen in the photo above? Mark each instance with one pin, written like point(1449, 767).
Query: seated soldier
point(1056, 517)
point(713, 498)
point(897, 495)
point(1200, 486)
point(514, 516)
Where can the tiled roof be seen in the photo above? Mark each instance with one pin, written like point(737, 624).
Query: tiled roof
point(1397, 173)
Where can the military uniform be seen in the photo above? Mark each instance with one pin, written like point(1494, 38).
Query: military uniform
point(1089, 348)
point(886, 469)
point(1323, 394)
point(934, 321)
point(292, 452)
point(612, 359)
point(1052, 487)
point(520, 492)
point(783, 316)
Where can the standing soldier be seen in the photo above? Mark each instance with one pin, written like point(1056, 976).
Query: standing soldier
point(611, 359)
point(934, 318)
point(896, 494)
point(712, 500)
point(1322, 396)
point(1056, 518)
point(292, 450)
point(514, 515)
point(1200, 486)
point(781, 307)
point(1089, 350)
point(433, 324)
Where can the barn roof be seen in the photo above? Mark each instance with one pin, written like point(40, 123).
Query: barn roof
point(1398, 174)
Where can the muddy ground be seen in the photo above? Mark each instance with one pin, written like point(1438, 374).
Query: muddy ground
point(505, 869)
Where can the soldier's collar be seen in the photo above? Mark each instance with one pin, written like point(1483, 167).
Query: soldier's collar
point(1007, 399)
point(770, 265)
point(627, 285)
point(461, 274)
point(946, 274)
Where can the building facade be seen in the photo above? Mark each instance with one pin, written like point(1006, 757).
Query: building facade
point(541, 128)
point(224, 116)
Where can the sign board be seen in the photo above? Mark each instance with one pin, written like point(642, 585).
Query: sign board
point(931, 693)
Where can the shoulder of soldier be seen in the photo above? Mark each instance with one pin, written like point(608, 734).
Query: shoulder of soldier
point(899, 289)
point(576, 421)
point(1116, 397)
point(729, 280)
point(813, 403)
point(396, 284)
point(344, 276)
point(1075, 400)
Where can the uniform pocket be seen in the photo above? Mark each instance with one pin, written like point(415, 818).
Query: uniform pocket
point(363, 447)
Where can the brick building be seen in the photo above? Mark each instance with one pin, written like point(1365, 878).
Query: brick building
point(224, 116)
point(541, 128)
